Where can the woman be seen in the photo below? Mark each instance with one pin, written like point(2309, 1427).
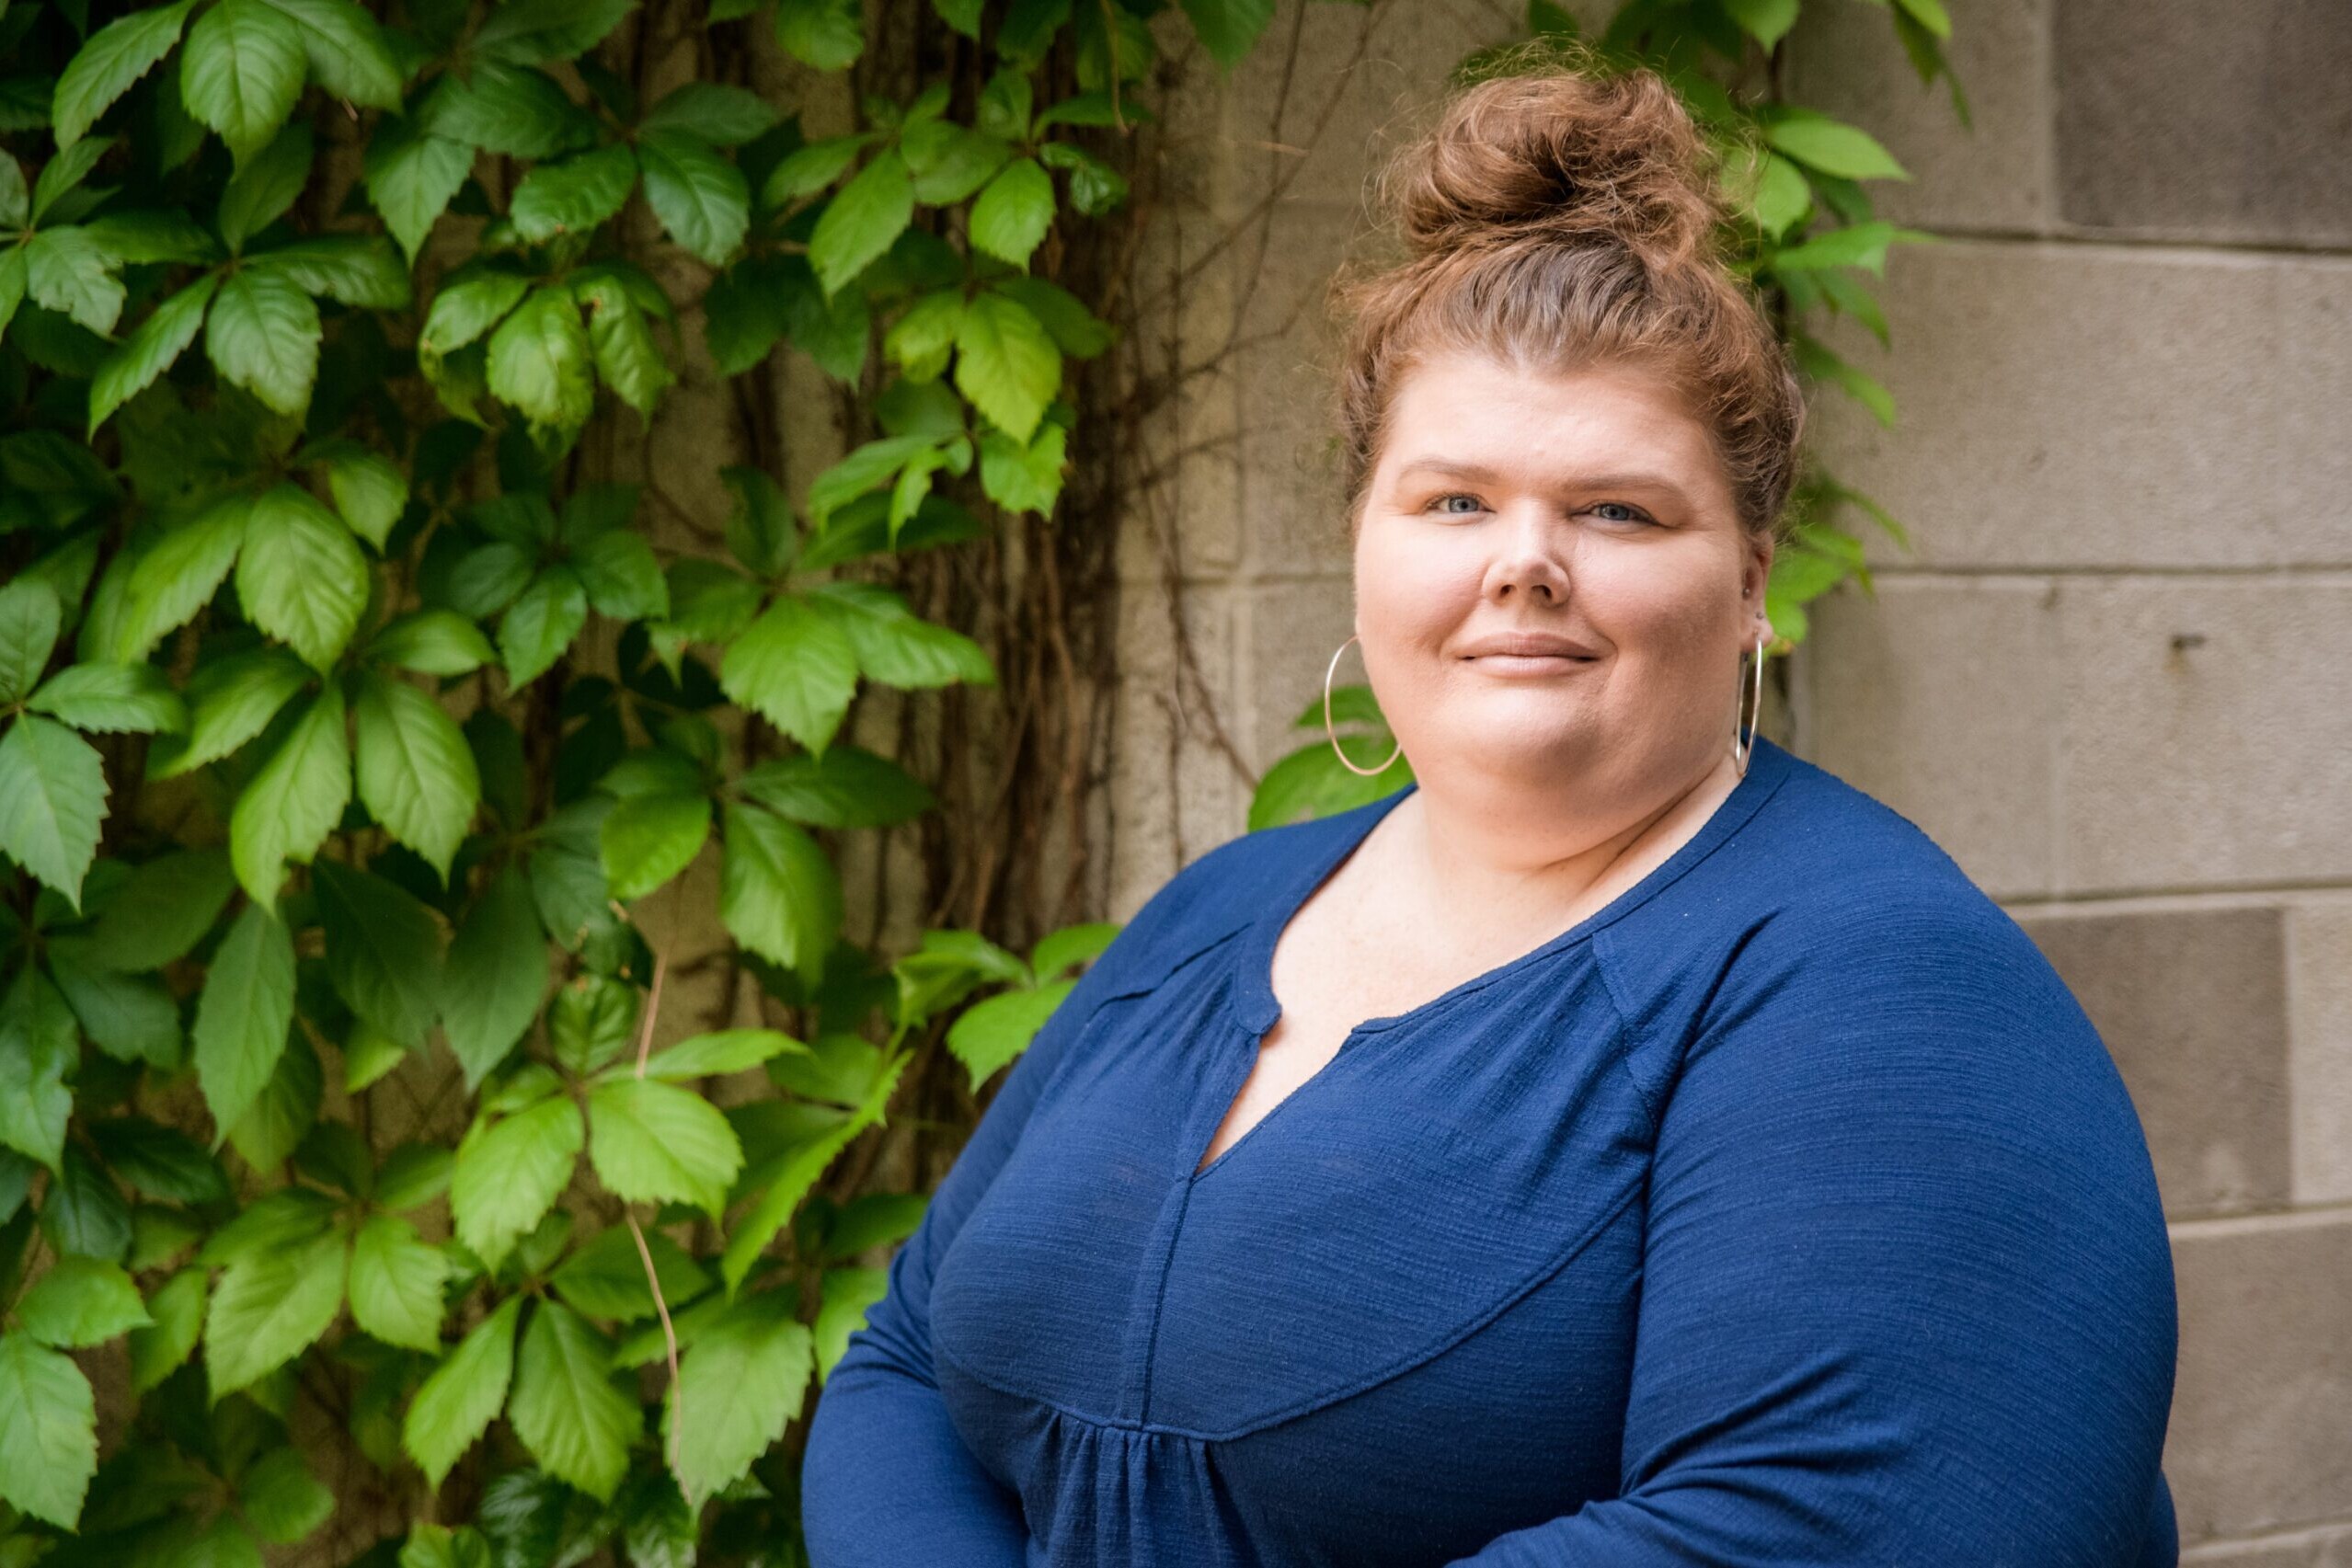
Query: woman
point(1629, 1145)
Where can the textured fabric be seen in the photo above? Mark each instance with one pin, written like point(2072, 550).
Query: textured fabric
point(1787, 1211)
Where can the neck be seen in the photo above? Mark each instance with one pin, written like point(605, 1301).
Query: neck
point(1494, 856)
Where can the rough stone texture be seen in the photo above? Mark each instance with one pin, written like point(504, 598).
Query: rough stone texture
point(2186, 119)
point(2191, 1004)
point(2319, 969)
point(2046, 417)
point(2219, 762)
point(1996, 173)
point(2260, 1435)
point(1894, 701)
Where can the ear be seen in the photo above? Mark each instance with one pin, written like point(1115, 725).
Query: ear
point(1756, 572)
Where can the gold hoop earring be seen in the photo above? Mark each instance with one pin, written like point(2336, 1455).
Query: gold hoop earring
point(1328, 729)
point(1742, 751)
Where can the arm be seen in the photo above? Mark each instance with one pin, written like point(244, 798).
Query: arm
point(1908, 1296)
point(885, 1480)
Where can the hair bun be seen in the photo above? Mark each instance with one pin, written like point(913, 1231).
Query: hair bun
point(1563, 152)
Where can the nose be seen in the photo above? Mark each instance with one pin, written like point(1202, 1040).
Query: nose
point(1531, 563)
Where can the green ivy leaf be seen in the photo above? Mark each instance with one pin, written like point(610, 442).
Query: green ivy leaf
point(30, 617)
point(1831, 145)
point(38, 1043)
point(270, 1306)
point(103, 69)
point(178, 575)
point(897, 647)
point(1006, 364)
point(177, 1310)
point(716, 1054)
point(456, 1403)
point(131, 1018)
point(627, 356)
point(357, 269)
point(1229, 28)
point(648, 839)
point(795, 668)
point(862, 220)
point(433, 642)
point(992, 1033)
point(605, 1279)
point(370, 490)
point(1023, 478)
point(121, 699)
point(263, 334)
point(346, 50)
point(495, 975)
point(49, 1446)
point(779, 894)
point(300, 578)
point(548, 30)
point(397, 1280)
point(701, 198)
point(282, 1500)
point(241, 71)
point(164, 908)
point(741, 1385)
point(540, 625)
point(411, 174)
point(509, 1173)
point(80, 1302)
point(230, 701)
point(149, 351)
point(574, 196)
point(827, 34)
point(566, 1408)
point(288, 807)
point(539, 362)
point(259, 193)
point(382, 950)
point(1012, 213)
point(654, 1143)
point(242, 1016)
point(416, 773)
point(65, 271)
point(52, 797)
point(713, 110)
point(847, 787)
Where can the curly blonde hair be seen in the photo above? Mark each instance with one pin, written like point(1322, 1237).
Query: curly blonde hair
point(1558, 218)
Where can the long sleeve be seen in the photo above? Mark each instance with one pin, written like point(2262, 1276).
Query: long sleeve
point(885, 1480)
point(1908, 1297)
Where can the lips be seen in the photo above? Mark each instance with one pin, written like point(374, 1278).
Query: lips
point(1528, 645)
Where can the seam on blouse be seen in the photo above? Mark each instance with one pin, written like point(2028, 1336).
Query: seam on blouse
point(1628, 1032)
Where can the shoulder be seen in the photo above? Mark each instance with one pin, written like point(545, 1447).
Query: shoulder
point(1216, 894)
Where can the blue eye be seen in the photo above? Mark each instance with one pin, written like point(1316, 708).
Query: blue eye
point(1634, 514)
point(1438, 501)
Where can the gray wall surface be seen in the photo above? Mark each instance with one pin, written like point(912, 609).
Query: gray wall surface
point(2111, 679)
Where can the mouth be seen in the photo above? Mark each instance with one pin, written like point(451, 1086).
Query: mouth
point(1527, 663)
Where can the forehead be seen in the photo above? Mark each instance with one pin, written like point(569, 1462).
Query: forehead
point(1465, 408)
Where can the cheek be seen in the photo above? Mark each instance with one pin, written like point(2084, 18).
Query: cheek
point(1410, 587)
point(1659, 613)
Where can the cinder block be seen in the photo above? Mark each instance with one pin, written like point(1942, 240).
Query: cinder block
point(2261, 1433)
point(2192, 1005)
point(2319, 991)
point(2074, 404)
point(2329, 1546)
point(1295, 517)
point(1288, 633)
point(2181, 119)
point(1175, 792)
point(1996, 172)
point(1940, 697)
point(1331, 91)
point(2204, 746)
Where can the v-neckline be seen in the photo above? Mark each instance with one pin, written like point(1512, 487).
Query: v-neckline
point(1256, 1008)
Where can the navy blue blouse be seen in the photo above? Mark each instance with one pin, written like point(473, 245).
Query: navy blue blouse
point(1787, 1210)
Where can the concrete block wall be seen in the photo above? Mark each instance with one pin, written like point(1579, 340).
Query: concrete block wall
point(2110, 680)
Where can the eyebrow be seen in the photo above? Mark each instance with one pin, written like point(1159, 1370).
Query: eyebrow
point(1629, 479)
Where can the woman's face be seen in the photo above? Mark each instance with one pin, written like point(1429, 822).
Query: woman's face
point(1585, 508)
